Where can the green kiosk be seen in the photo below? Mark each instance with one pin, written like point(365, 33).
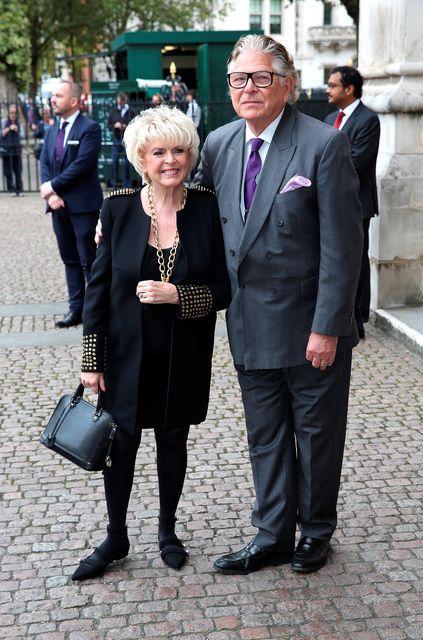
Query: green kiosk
point(151, 62)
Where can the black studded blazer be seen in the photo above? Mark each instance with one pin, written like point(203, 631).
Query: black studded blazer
point(112, 315)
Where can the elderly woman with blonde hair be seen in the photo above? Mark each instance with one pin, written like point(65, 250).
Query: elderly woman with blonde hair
point(149, 317)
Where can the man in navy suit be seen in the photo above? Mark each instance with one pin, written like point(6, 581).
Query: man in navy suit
point(72, 191)
point(362, 127)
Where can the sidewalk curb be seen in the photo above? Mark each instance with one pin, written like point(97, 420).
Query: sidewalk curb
point(409, 337)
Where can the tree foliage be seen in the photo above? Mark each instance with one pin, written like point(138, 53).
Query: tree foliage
point(14, 45)
point(34, 32)
point(352, 7)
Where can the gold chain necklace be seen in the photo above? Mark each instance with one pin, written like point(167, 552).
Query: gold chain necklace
point(165, 271)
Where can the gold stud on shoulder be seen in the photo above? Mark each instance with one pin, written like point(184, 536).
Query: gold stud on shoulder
point(200, 187)
point(125, 191)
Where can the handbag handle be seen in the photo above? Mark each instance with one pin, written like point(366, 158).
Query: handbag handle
point(79, 393)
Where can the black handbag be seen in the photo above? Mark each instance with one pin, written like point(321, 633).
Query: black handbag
point(81, 431)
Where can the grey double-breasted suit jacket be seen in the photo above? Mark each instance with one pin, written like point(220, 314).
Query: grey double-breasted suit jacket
point(294, 265)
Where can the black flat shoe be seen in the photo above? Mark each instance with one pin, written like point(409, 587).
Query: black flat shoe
point(95, 565)
point(71, 319)
point(250, 558)
point(310, 555)
point(172, 551)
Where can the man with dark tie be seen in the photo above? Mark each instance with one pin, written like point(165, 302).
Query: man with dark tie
point(362, 127)
point(72, 191)
point(291, 220)
point(193, 108)
point(119, 118)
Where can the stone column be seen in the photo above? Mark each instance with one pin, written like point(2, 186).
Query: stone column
point(391, 61)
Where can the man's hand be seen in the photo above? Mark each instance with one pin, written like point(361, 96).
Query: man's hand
point(46, 190)
point(55, 202)
point(321, 350)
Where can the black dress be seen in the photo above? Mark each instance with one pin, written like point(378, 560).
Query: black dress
point(157, 322)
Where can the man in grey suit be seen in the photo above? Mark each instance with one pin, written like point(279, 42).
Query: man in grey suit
point(291, 219)
point(362, 127)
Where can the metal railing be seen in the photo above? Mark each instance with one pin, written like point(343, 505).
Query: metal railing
point(214, 114)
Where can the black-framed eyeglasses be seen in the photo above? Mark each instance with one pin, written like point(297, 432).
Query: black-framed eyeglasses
point(261, 79)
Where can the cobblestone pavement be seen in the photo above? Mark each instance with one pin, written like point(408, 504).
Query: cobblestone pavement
point(52, 513)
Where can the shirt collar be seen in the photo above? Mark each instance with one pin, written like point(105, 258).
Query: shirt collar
point(351, 107)
point(71, 119)
point(267, 134)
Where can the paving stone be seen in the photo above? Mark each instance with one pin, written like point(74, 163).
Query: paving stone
point(52, 513)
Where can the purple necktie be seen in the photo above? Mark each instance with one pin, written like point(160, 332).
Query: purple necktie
point(252, 170)
point(60, 138)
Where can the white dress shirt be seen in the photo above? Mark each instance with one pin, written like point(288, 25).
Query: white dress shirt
point(348, 111)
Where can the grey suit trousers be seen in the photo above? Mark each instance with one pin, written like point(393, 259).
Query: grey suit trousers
point(296, 425)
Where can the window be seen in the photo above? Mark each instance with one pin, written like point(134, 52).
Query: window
point(275, 16)
point(327, 13)
point(255, 14)
point(326, 73)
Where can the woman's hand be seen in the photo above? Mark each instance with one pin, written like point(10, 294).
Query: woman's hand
point(98, 233)
point(94, 381)
point(154, 292)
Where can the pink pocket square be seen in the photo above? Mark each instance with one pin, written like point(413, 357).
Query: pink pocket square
point(296, 183)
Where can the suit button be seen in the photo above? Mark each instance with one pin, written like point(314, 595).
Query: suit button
point(231, 252)
point(268, 255)
point(279, 222)
point(273, 289)
point(224, 220)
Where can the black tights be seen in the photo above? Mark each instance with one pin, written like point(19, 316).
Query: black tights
point(171, 447)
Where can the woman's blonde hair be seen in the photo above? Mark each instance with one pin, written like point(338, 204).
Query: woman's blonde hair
point(160, 123)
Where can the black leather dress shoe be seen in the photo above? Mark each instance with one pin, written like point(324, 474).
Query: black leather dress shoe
point(71, 319)
point(250, 558)
point(310, 555)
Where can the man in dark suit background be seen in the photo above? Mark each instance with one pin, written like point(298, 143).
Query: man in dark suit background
point(72, 191)
point(291, 220)
point(362, 127)
point(119, 118)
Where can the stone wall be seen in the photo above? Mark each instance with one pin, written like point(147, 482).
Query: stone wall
point(391, 60)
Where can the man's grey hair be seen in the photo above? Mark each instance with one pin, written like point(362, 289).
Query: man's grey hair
point(283, 62)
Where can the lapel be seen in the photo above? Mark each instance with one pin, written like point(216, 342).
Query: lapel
point(133, 234)
point(277, 161)
point(232, 181)
point(52, 141)
point(352, 119)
